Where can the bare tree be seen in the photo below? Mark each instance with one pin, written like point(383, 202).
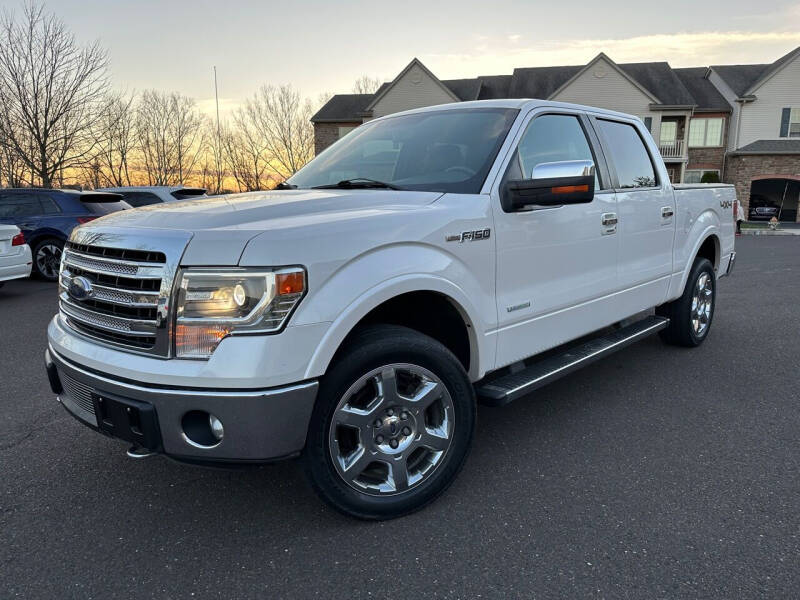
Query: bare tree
point(366, 85)
point(283, 120)
point(246, 151)
point(116, 141)
point(12, 169)
point(50, 93)
point(170, 136)
point(187, 134)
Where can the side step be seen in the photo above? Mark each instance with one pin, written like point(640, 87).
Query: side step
point(506, 388)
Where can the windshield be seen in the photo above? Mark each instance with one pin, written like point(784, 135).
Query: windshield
point(438, 151)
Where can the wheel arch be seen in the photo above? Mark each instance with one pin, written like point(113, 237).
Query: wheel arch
point(707, 246)
point(397, 302)
point(39, 235)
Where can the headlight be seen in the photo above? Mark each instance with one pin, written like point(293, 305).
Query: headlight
point(213, 304)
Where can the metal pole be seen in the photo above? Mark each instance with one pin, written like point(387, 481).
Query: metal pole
point(785, 189)
point(217, 150)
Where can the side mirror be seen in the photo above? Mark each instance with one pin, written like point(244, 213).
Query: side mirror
point(551, 184)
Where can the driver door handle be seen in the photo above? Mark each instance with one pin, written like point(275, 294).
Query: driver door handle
point(609, 219)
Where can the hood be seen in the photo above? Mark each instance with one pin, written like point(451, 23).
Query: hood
point(221, 226)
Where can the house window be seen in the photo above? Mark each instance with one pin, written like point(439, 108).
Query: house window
point(794, 122)
point(696, 175)
point(705, 132)
point(669, 132)
point(343, 131)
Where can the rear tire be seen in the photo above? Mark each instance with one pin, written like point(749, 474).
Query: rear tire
point(690, 315)
point(47, 258)
point(392, 425)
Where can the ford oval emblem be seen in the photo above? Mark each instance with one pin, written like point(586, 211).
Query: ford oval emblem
point(80, 288)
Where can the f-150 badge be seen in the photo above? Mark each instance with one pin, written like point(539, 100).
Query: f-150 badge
point(470, 236)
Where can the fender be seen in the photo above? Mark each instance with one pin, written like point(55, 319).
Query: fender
point(481, 348)
point(705, 226)
point(403, 268)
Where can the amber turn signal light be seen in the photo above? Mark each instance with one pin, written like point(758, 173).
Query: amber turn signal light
point(569, 189)
point(292, 282)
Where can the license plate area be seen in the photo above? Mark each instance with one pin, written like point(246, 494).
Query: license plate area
point(130, 420)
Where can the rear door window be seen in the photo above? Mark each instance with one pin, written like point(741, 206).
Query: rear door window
point(629, 155)
point(19, 205)
point(49, 206)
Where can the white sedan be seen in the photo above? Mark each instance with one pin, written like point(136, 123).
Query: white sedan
point(15, 254)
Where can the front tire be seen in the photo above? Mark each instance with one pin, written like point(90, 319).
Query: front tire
point(690, 315)
point(392, 425)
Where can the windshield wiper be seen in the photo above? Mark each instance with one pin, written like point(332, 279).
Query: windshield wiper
point(358, 182)
point(285, 186)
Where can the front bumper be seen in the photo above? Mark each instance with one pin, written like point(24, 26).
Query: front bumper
point(259, 425)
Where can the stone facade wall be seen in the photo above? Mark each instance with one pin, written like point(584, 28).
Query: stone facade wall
point(706, 158)
point(327, 133)
point(741, 168)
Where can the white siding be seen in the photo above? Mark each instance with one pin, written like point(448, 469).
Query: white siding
point(730, 96)
point(415, 89)
point(612, 91)
point(761, 119)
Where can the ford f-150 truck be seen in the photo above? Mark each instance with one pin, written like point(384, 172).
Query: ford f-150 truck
point(428, 260)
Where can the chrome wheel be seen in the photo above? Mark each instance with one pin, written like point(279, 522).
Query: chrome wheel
point(702, 304)
point(48, 260)
point(391, 429)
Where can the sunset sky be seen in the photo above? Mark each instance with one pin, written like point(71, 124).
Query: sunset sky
point(324, 46)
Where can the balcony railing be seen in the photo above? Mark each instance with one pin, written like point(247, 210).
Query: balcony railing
point(672, 149)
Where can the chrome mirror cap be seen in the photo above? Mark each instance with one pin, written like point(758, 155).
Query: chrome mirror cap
point(563, 168)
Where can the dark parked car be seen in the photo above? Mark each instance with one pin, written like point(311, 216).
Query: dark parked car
point(47, 217)
point(761, 209)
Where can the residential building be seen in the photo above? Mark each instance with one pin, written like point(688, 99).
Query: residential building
point(736, 123)
point(763, 147)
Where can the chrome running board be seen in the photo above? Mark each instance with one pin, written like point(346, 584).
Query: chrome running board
point(501, 390)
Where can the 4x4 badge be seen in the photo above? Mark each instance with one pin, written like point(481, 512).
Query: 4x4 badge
point(470, 236)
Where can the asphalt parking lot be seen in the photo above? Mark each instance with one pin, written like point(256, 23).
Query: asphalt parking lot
point(655, 473)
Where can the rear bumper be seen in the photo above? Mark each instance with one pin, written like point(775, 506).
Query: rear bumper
point(16, 266)
point(259, 425)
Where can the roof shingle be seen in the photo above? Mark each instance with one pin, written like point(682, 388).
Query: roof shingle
point(788, 146)
point(740, 77)
point(705, 95)
point(659, 79)
point(343, 108)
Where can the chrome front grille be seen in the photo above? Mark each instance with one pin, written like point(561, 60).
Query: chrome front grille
point(127, 301)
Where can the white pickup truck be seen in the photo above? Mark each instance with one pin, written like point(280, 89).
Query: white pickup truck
point(426, 261)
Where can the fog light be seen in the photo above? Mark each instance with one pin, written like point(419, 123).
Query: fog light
point(216, 427)
point(201, 429)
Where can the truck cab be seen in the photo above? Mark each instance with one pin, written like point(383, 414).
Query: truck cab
point(427, 261)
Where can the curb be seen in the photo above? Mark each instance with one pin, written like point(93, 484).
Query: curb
point(769, 232)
